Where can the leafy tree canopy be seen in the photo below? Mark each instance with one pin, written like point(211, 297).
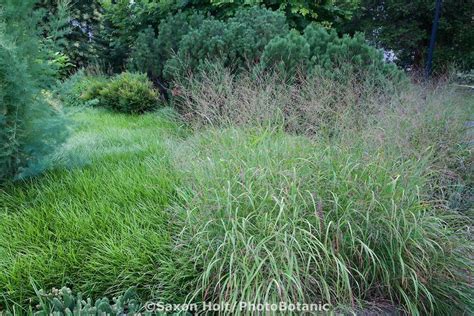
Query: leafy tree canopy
point(405, 28)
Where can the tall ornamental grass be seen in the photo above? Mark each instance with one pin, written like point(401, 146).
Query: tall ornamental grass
point(269, 218)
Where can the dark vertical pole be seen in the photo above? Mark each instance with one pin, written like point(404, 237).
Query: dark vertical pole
point(429, 62)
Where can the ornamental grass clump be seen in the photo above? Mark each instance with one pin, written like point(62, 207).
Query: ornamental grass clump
point(269, 217)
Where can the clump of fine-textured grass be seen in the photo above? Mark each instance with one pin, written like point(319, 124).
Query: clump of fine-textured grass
point(270, 218)
point(428, 120)
point(413, 119)
point(311, 105)
point(99, 227)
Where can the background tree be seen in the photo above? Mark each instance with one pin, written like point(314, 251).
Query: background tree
point(299, 13)
point(81, 43)
point(122, 21)
point(405, 28)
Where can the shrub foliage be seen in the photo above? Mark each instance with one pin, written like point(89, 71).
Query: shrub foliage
point(145, 57)
point(235, 43)
point(30, 128)
point(129, 93)
point(287, 54)
point(186, 42)
point(323, 52)
point(80, 89)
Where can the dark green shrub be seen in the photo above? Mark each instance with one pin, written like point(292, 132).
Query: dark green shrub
point(129, 93)
point(251, 29)
point(324, 53)
point(260, 35)
point(318, 39)
point(353, 54)
point(206, 43)
point(287, 54)
point(236, 43)
point(145, 55)
point(172, 30)
point(341, 58)
point(150, 51)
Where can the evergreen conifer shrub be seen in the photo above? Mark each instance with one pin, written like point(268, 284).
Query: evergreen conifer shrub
point(173, 29)
point(151, 50)
point(355, 56)
point(126, 92)
point(30, 128)
point(129, 93)
point(235, 43)
point(287, 54)
point(145, 56)
point(322, 52)
point(251, 29)
point(206, 43)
